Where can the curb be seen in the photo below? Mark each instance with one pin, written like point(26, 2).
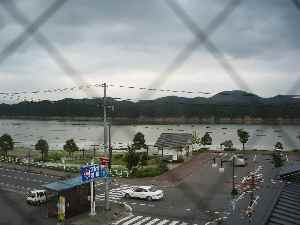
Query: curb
point(128, 207)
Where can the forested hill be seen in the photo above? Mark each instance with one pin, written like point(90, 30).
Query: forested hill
point(231, 104)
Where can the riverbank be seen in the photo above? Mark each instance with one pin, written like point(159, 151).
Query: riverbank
point(165, 120)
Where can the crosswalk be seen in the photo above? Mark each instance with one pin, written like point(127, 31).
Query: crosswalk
point(147, 220)
point(115, 194)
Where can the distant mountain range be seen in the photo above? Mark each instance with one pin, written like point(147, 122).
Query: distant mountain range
point(227, 104)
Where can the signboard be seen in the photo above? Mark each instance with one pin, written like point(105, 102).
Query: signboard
point(90, 172)
point(104, 161)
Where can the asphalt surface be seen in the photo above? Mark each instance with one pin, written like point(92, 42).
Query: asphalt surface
point(202, 196)
point(22, 181)
point(13, 207)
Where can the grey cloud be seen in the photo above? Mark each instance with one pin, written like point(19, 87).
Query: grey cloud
point(119, 35)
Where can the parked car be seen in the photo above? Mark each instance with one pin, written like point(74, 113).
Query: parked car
point(239, 160)
point(144, 192)
point(36, 197)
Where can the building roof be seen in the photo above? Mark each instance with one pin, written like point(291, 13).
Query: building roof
point(173, 140)
point(287, 208)
point(291, 169)
point(64, 184)
point(279, 202)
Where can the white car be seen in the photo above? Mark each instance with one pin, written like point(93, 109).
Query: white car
point(144, 192)
point(239, 160)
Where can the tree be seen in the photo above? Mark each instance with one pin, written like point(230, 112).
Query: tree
point(43, 147)
point(139, 141)
point(206, 139)
point(277, 158)
point(243, 136)
point(6, 144)
point(278, 145)
point(132, 158)
point(70, 146)
point(228, 145)
point(143, 159)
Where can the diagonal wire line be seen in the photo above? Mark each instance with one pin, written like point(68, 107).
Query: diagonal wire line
point(187, 51)
point(219, 56)
point(42, 19)
point(201, 35)
point(296, 85)
point(42, 40)
point(296, 3)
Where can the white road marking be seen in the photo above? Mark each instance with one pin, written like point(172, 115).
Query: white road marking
point(163, 222)
point(123, 219)
point(153, 221)
point(132, 220)
point(139, 220)
point(142, 221)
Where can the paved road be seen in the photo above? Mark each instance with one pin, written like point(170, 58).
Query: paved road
point(203, 195)
point(22, 181)
point(13, 207)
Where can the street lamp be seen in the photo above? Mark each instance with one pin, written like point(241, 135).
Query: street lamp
point(214, 165)
point(234, 191)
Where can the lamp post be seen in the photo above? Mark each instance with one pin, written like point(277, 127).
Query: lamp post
point(214, 165)
point(234, 191)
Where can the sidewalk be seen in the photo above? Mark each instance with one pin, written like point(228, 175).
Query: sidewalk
point(172, 177)
point(103, 217)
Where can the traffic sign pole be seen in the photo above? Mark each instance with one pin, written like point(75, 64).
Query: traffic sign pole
point(93, 210)
point(88, 174)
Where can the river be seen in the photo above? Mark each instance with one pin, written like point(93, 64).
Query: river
point(26, 133)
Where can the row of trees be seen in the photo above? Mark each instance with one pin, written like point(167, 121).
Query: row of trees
point(42, 145)
point(7, 144)
point(162, 107)
point(207, 139)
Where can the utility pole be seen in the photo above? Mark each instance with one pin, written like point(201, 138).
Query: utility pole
point(110, 147)
point(234, 190)
point(105, 145)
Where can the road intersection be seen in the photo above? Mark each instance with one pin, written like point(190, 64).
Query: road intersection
point(203, 194)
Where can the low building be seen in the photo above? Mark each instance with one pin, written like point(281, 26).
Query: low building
point(74, 193)
point(176, 146)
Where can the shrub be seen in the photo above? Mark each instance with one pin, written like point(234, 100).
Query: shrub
point(277, 159)
point(229, 149)
point(147, 172)
point(163, 166)
point(55, 155)
point(118, 156)
point(143, 159)
point(131, 158)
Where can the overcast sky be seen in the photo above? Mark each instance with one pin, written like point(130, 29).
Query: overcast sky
point(132, 42)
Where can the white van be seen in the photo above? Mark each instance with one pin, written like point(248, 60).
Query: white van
point(36, 197)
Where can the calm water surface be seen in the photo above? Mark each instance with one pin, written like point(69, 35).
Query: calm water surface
point(27, 132)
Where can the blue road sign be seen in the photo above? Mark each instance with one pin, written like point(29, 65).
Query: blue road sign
point(90, 172)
